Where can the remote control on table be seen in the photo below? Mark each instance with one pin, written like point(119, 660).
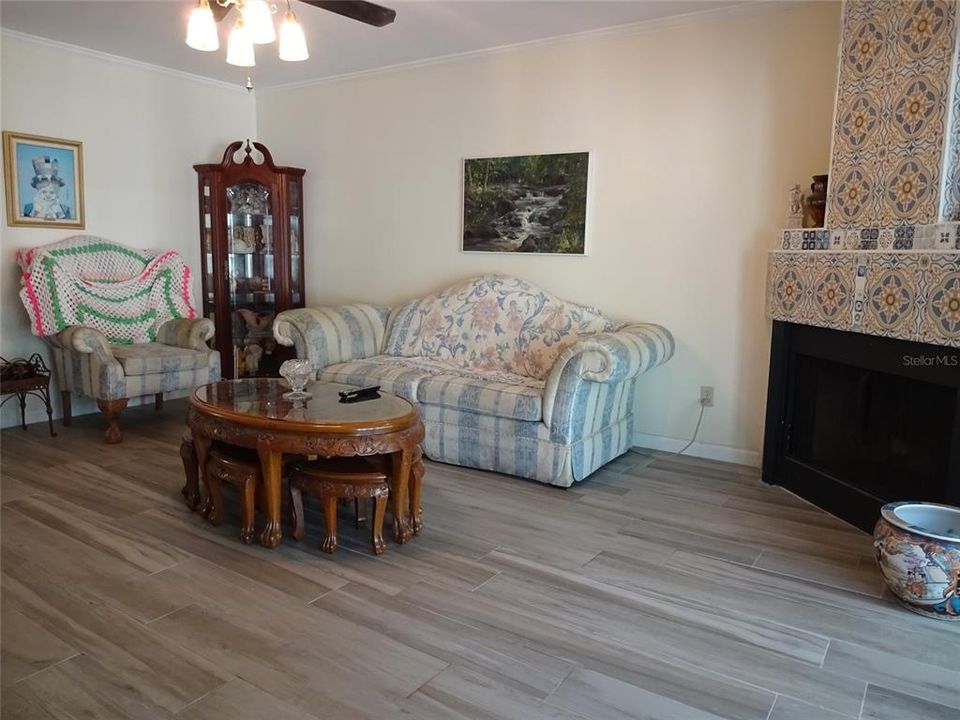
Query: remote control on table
point(368, 393)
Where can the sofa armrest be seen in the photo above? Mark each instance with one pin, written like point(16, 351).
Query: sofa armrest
point(606, 358)
point(191, 334)
point(330, 335)
point(85, 340)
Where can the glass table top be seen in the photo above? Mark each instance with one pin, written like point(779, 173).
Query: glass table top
point(256, 400)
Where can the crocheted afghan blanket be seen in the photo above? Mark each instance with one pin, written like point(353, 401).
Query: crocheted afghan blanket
point(125, 293)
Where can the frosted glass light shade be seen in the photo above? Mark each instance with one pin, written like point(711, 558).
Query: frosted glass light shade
point(240, 47)
point(293, 45)
point(259, 21)
point(202, 28)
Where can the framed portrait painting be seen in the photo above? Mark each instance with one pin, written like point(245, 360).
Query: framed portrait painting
point(44, 181)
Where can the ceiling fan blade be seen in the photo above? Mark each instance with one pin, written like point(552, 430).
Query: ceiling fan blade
point(366, 12)
point(220, 11)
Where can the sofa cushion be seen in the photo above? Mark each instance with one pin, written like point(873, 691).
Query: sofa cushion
point(150, 358)
point(396, 375)
point(494, 322)
point(499, 394)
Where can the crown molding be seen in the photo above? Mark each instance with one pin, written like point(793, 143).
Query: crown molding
point(637, 28)
point(119, 59)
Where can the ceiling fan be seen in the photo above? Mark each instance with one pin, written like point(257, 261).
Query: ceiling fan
point(254, 26)
point(365, 12)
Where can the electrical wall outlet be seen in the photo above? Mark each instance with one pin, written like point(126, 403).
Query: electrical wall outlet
point(706, 395)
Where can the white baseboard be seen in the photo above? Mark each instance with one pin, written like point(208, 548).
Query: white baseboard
point(710, 451)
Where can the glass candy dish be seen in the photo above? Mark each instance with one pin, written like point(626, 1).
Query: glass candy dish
point(297, 373)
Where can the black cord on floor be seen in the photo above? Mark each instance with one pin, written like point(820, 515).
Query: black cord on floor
point(696, 430)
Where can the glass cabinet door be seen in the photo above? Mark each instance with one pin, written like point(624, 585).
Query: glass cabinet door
point(296, 246)
point(251, 279)
point(209, 298)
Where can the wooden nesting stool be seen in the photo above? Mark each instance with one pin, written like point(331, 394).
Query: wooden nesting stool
point(383, 463)
point(191, 471)
point(334, 479)
point(242, 470)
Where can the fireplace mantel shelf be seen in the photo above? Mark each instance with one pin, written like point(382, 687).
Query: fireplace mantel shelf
point(901, 282)
point(943, 237)
point(905, 294)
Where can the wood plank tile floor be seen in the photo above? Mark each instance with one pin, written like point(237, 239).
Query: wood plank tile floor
point(663, 588)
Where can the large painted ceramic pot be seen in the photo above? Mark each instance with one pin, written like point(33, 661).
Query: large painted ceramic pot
point(918, 550)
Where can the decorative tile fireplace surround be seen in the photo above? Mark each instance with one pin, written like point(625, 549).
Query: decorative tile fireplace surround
point(887, 264)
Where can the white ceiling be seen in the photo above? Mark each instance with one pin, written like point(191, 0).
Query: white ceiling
point(153, 31)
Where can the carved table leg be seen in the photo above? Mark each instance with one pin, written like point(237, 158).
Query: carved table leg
point(376, 527)
point(270, 467)
point(214, 497)
point(111, 410)
point(416, 512)
point(201, 447)
point(249, 503)
point(398, 495)
point(296, 511)
point(329, 501)
point(65, 401)
point(191, 471)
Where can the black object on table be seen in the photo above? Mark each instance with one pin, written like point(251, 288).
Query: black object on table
point(26, 377)
point(367, 393)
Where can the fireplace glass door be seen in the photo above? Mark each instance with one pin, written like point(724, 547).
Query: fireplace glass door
point(886, 434)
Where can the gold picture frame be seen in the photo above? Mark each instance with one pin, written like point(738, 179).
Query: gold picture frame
point(44, 181)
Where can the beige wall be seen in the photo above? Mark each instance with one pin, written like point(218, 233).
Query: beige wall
point(696, 128)
point(142, 131)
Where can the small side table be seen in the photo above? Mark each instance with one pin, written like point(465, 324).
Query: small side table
point(26, 377)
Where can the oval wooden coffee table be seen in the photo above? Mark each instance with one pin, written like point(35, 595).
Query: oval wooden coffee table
point(252, 413)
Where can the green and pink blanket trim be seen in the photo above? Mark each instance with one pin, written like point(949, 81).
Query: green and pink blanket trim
point(123, 292)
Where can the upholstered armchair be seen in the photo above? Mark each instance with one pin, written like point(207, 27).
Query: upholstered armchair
point(119, 320)
point(87, 364)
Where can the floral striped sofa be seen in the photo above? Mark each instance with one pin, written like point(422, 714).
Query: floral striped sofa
point(506, 376)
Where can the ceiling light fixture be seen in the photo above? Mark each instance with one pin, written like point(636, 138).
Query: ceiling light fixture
point(254, 26)
point(293, 44)
point(202, 28)
point(257, 16)
point(240, 46)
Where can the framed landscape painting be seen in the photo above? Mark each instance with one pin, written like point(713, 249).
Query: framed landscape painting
point(526, 204)
point(44, 181)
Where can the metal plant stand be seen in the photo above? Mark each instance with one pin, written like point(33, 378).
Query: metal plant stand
point(26, 377)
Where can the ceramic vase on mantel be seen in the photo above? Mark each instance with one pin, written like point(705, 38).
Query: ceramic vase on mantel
point(817, 200)
point(917, 546)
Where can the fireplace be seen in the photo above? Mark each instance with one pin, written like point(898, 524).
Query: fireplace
point(863, 405)
point(855, 421)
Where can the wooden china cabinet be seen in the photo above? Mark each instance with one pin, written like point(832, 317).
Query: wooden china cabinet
point(251, 237)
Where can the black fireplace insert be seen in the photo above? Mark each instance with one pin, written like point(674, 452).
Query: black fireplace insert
point(855, 421)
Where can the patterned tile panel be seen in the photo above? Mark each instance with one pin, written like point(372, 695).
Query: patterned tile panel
point(951, 195)
point(907, 295)
point(893, 97)
point(943, 236)
point(940, 316)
